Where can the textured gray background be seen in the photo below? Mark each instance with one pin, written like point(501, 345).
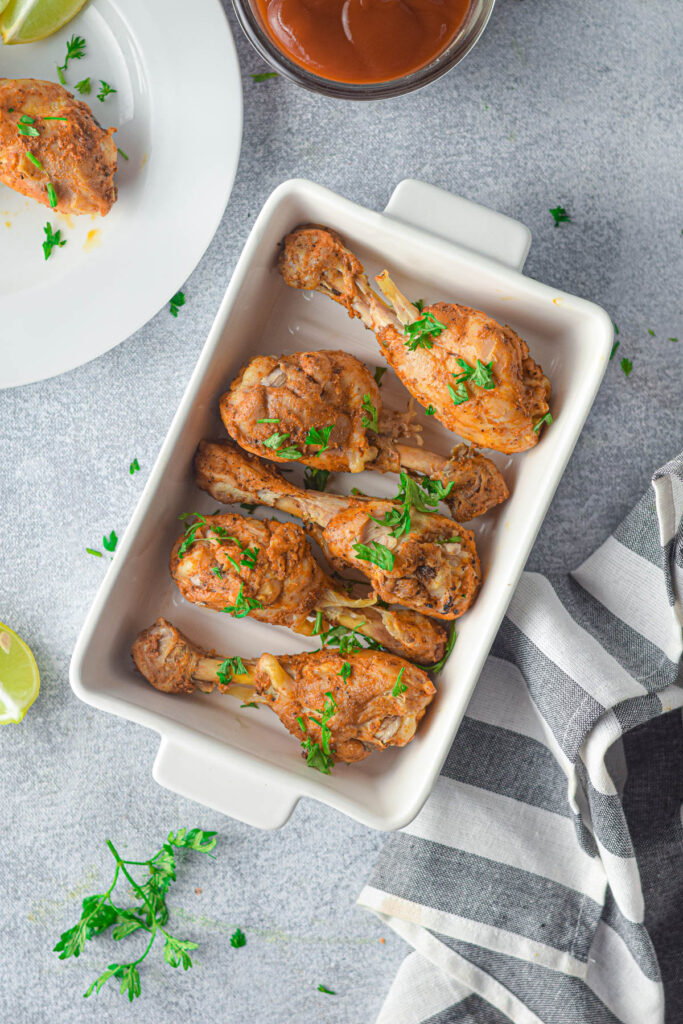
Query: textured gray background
point(572, 103)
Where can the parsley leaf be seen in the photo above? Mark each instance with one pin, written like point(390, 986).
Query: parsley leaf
point(615, 346)
point(134, 467)
point(24, 128)
point(369, 417)
point(319, 435)
point(315, 479)
point(190, 531)
point(51, 195)
point(35, 161)
point(421, 333)
point(110, 542)
point(438, 665)
point(544, 419)
point(229, 668)
point(347, 640)
point(651, 332)
point(345, 671)
point(378, 374)
point(93, 551)
point(105, 90)
point(559, 215)
point(100, 912)
point(75, 50)
point(243, 605)
point(419, 304)
point(459, 394)
point(83, 87)
point(411, 495)
point(481, 374)
point(673, 339)
point(399, 687)
point(327, 991)
point(276, 442)
point(52, 240)
point(375, 553)
point(238, 939)
point(263, 76)
point(430, 410)
point(626, 366)
point(271, 419)
point(176, 302)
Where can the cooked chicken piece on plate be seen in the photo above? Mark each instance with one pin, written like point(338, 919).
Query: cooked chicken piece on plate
point(53, 150)
point(416, 558)
point(341, 707)
point(325, 409)
point(266, 569)
point(476, 374)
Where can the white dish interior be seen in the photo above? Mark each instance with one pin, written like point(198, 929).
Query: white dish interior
point(261, 774)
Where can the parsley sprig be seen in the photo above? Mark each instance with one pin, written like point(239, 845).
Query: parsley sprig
point(83, 87)
point(481, 374)
point(421, 333)
point(411, 496)
point(399, 687)
point(229, 668)
point(315, 479)
point(242, 606)
point(75, 50)
point(560, 215)
point(176, 302)
point(318, 755)
point(369, 417)
point(53, 239)
point(105, 90)
point(319, 435)
point(100, 912)
point(544, 419)
point(375, 553)
point(347, 640)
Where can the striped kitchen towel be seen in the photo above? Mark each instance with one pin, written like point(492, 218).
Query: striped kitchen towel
point(542, 882)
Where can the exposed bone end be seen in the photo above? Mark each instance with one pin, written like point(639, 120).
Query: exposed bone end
point(314, 258)
point(404, 309)
point(166, 658)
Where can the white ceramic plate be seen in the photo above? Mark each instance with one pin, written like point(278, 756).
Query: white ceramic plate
point(178, 109)
point(243, 762)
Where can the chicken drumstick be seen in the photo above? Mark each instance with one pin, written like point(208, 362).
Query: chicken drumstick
point(325, 409)
point(476, 374)
point(265, 569)
point(422, 560)
point(341, 707)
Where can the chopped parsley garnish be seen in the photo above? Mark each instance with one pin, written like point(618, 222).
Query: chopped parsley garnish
point(651, 332)
point(419, 305)
point(105, 90)
point(319, 435)
point(229, 668)
point(176, 302)
point(271, 419)
point(327, 991)
point(481, 375)
point(437, 666)
point(347, 640)
point(75, 50)
point(375, 553)
point(544, 419)
point(25, 127)
point(459, 393)
point(121, 153)
point(615, 346)
point(110, 542)
point(92, 551)
point(560, 215)
point(134, 467)
point(345, 671)
point(315, 479)
point(55, 119)
point(673, 339)
point(52, 240)
point(430, 410)
point(83, 87)
point(51, 194)
point(238, 939)
point(378, 374)
point(448, 540)
point(247, 507)
point(190, 531)
point(35, 161)
point(263, 76)
point(421, 333)
point(217, 571)
point(276, 442)
point(616, 329)
point(369, 417)
point(399, 687)
point(242, 606)
point(626, 366)
point(318, 624)
point(412, 496)
point(250, 704)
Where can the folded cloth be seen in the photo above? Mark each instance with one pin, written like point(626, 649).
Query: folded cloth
point(542, 882)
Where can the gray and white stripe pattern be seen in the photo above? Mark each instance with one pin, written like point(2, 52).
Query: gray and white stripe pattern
point(531, 883)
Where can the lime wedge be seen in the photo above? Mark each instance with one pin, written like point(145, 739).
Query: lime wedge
point(19, 677)
point(27, 21)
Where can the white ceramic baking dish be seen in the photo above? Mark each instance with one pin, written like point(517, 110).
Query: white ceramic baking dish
point(437, 246)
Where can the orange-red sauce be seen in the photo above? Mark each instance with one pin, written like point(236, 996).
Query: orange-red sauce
point(361, 41)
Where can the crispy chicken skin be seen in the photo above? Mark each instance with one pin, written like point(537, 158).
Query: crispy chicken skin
point(77, 156)
point(367, 716)
point(273, 564)
point(295, 394)
point(503, 417)
point(435, 570)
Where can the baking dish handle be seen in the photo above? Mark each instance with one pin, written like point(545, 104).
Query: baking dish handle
point(458, 220)
point(207, 778)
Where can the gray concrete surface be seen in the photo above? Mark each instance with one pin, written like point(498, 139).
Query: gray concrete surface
point(577, 104)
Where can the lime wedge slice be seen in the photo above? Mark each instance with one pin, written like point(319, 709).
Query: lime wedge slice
point(19, 676)
point(27, 21)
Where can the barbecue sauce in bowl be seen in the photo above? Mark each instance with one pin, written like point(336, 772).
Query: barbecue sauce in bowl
point(361, 41)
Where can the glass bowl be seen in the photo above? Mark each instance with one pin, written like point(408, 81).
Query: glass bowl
point(472, 27)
